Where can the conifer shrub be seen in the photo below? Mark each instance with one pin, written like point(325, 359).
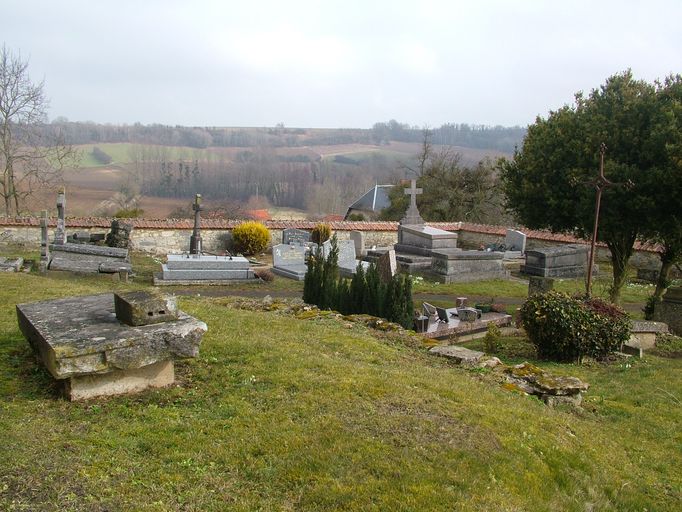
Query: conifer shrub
point(250, 238)
point(321, 233)
point(565, 328)
point(491, 341)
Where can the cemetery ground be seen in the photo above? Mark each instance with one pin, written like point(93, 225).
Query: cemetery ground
point(282, 413)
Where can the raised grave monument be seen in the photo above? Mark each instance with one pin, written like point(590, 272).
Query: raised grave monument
point(199, 268)
point(565, 261)
point(461, 266)
point(290, 261)
point(110, 344)
point(79, 257)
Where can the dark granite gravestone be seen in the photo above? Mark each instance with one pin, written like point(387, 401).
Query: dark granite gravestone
point(82, 341)
point(290, 261)
point(559, 261)
point(295, 236)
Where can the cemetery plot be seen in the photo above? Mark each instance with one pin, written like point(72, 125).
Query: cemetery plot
point(290, 261)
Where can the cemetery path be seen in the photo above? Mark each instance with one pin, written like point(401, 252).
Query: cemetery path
point(418, 297)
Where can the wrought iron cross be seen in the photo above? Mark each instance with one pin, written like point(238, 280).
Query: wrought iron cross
point(599, 183)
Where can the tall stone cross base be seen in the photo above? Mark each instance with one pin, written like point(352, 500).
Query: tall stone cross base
point(195, 239)
point(60, 232)
point(44, 244)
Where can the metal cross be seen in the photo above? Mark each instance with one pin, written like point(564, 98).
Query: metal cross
point(599, 183)
point(413, 191)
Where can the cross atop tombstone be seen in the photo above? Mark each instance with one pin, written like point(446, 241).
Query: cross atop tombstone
point(195, 239)
point(412, 215)
point(60, 232)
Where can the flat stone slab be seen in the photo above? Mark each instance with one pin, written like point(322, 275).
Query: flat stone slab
point(158, 280)
point(455, 327)
point(458, 354)
point(94, 250)
point(296, 272)
point(209, 274)
point(206, 262)
point(79, 336)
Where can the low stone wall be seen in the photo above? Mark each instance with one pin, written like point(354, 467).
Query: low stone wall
point(166, 236)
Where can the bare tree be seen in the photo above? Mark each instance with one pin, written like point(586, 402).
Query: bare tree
point(31, 155)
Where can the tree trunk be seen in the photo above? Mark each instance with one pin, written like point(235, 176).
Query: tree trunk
point(668, 259)
point(621, 250)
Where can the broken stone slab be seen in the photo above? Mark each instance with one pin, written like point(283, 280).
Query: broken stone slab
point(114, 267)
point(81, 336)
point(94, 250)
point(11, 264)
point(145, 307)
point(535, 381)
point(460, 355)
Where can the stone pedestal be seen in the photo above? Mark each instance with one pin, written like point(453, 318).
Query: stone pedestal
point(81, 340)
point(422, 240)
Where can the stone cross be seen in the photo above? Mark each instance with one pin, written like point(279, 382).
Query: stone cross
point(44, 243)
point(60, 232)
point(195, 239)
point(412, 215)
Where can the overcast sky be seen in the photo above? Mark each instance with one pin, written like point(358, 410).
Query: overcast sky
point(334, 63)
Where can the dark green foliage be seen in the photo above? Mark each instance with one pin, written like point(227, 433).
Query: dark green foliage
point(321, 233)
point(640, 124)
point(492, 338)
point(129, 213)
point(364, 293)
point(565, 328)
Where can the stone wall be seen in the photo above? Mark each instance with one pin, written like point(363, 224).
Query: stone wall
point(169, 236)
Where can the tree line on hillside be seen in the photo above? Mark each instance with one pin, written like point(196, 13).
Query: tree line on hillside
point(498, 138)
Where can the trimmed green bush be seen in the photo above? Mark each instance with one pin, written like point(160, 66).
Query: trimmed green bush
point(250, 238)
point(565, 328)
point(321, 233)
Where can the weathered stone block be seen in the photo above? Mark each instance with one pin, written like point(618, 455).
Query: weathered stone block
point(458, 354)
point(538, 284)
point(145, 307)
point(80, 336)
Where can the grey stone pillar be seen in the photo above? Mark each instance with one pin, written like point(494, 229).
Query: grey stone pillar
point(195, 239)
point(44, 243)
point(60, 232)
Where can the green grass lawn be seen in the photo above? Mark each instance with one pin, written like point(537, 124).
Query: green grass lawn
point(285, 414)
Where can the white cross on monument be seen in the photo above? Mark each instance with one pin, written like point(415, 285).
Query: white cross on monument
point(413, 191)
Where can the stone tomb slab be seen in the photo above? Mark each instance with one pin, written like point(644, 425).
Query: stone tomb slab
point(423, 240)
point(79, 339)
point(204, 269)
point(560, 261)
point(460, 266)
point(88, 258)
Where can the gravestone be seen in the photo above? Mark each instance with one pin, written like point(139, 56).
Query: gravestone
point(347, 262)
point(358, 238)
point(295, 236)
point(11, 264)
point(387, 266)
point(412, 215)
point(290, 261)
point(669, 310)
point(89, 259)
point(515, 244)
point(119, 234)
point(83, 342)
point(60, 232)
point(563, 261)
point(537, 284)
